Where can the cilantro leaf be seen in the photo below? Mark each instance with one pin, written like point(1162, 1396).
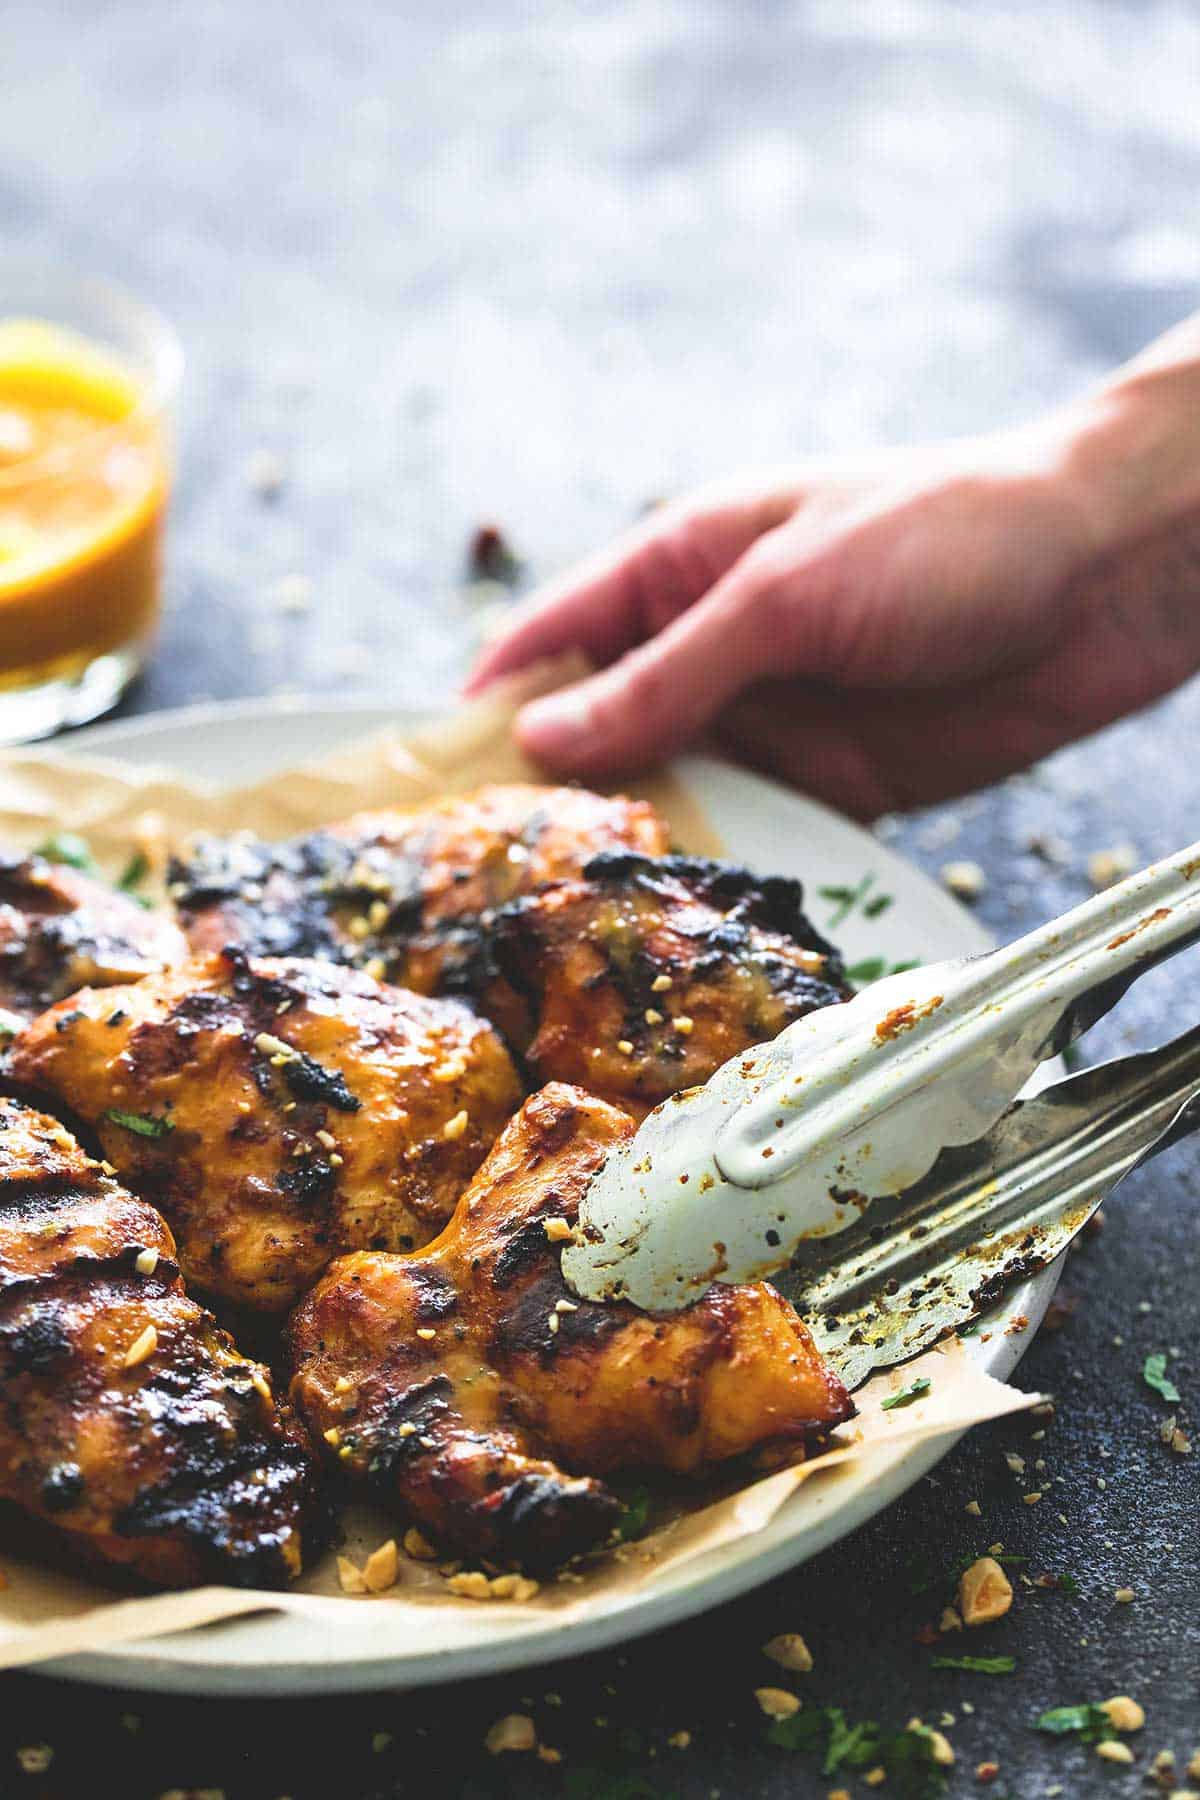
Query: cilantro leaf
point(1154, 1374)
point(634, 1515)
point(141, 1124)
point(132, 877)
point(977, 1665)
point(67, 847)
point(879, 904)
point(907, 1395)
point(1067, 1584)
point(854, 1745)
point(845, 899)
point(805, 1730)
point(1091, 1722)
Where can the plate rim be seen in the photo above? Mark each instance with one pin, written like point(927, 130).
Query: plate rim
point(136, 1666)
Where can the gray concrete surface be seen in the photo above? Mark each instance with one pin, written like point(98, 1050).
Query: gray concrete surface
point(540, 264)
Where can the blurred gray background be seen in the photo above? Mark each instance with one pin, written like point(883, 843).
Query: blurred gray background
point(441, 264)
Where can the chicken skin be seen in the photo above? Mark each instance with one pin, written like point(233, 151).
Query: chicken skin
point(643, 976)
point(131, 1426)
point(61, 930)
point(467, 1387)
point(407, 896)
point(278, 1112)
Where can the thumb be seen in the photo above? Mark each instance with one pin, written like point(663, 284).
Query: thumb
point(661, 694)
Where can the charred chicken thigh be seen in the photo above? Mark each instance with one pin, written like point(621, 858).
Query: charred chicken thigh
point(641, 977)
point(278, 1111)
point(61, 929)
point(407, 896)
point(130, 1424)
point(466, 1386)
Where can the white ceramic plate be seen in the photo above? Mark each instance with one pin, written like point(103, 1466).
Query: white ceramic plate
point(331, 1645)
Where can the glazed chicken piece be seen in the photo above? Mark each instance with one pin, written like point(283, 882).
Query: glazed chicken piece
point(407, 896)
point(277, 1111)
point(61, 929)
point(131, 1426)
point(466, 1386)
point(644, 976)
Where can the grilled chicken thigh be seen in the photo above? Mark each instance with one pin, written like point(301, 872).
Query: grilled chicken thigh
point(278, 1111)
point(468, 1387)
point(61, 930)
point(407, 896)
point(130, 1424)
point(644, 975)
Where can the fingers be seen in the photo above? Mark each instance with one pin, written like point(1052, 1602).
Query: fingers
point(661, 694)
point(647, 578)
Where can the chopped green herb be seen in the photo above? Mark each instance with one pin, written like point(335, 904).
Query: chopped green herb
point(1007, 1558)
point(977, 1665)
point(1154, 1374)
point(66, 847)
point(1091, 1722)
point(845, 899)
point(879, 904)
point(874, 968)
point(1067, 1584)
point(906, 1755)
point(907, 1395)
point(132, 877)
point(141, 1124)
point(602, 1784)
point(634, 1515)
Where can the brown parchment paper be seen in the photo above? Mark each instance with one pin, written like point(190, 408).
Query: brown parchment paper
point(47, 1612)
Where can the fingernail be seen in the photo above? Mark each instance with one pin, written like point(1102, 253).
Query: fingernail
point(556, 724)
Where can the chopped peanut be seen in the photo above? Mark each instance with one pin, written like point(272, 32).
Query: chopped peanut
point(1124, 1714)
point(381, 1568)
point(1111, 1751)
point(790, 1651)
point(513, 1732)
point(950, 1620)
point(984, 1592)
point(418, 1547)
point(142, 1348)
point(777, 1703)
point(350, 1576)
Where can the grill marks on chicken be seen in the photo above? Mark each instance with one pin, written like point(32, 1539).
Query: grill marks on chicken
point(407, 896)
point(61, 930)
point(278, 1111)
point(645, 975)
point(468, 1387)
point(129, 1423)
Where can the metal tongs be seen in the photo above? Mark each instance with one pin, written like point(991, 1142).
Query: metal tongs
point(877, 1152)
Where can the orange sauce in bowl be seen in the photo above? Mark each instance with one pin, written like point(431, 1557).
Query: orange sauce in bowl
point(83, 487)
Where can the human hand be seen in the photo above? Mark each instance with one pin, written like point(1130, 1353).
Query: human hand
point(895, 632)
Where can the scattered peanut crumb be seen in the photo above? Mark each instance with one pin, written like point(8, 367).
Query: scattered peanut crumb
point(473, 1584)
point(558, 1230)
point(940, 1747)
point(146, 1262)
point(875, 1777)
point(777, 1703)
point(790, 1651)
point(984, 1592)
point(350, 1576)
point(838, 1794)
point(679, 1740)
point(964, 879)
point(454, 1128)
point(547, 1754)
point(986, 1771)
point(950, 1620)
point(1033, 1498)
point(142, 1348)
point(625, 1046)
point(35, 1759)
point(1124, 1595)
point(652, 1016)
point(1112, 1751)
point(1106, 866)
point(418, 1546)
point(333, 1437)
point(974, 1508)
point(513, 1732)
point(683, 1025)
point(381, 1568)
point(1125, 1714)
point(426, 1333)
point(660, 984)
